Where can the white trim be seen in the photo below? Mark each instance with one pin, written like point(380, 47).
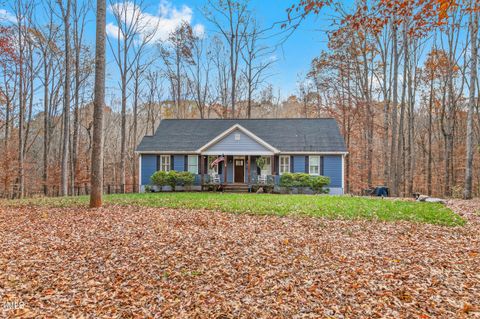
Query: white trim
point(188, 163)
point(162, 164)
point(319, 165)
point(238, 153)
point(233, 168)
point(140, 173)
point(313, 153)
point(343, 173)
point(280, 164)
point(244, 130)
point(166, 152)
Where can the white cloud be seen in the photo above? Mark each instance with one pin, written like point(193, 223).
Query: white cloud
point(6, 16)
point(199, 30)
point(112, 30)
point(167, 19)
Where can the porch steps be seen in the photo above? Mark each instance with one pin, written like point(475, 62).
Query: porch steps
point(236, 188)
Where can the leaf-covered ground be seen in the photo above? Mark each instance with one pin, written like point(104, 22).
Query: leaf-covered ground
point(139, 262)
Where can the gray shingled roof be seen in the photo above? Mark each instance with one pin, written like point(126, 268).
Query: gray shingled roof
point(287, 135)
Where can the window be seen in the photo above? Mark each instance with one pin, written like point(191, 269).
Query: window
point(314, 165)
point(165, 163)
point(213, 170)
point(284, 164)
point(193, 164)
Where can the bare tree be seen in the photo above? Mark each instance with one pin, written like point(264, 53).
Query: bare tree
point(22, 12)
point(257, 61)
point(65, 9)
point(200, 69)
point(96, 178)
point(131, 26)
point(221, 86)
point(138, 73)
point(153, 103)
point(45, 37)
point(176, 53)
point(81, 70)
point(231, 18)
point(471, 103)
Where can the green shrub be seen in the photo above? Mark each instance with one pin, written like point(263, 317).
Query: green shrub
point(159, 178)
point(172, 179)
point(301, 180)
point(185, 178)
point(316, 183)
point(287, 180)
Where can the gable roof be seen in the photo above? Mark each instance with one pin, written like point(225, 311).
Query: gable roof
point(285, 135)
point(237, 127)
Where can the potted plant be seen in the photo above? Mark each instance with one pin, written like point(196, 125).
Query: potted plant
point(261, 163)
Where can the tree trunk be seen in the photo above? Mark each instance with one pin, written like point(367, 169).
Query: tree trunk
point(430, 124)
point(96, 178)
point(233, 74)
point(471, 104)
point(135, 125)
point(66, 103)
point(393, 144)
point(400, 173)
point(76, 98)
point(386, 109)
point(46, 115)
point(21, 113)
point(123, 139)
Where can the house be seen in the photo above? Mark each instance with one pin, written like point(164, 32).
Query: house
point(313, 146)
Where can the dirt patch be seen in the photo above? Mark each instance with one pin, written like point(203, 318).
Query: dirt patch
point(148, 262)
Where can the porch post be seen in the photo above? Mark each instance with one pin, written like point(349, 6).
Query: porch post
point(140, 173)
point(249, 175)
point(225, 169)
point(202, 169)
point(272, 161)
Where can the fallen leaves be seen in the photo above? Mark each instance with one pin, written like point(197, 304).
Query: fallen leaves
point(131, 262)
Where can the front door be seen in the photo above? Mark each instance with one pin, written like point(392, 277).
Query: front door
point(239, 170)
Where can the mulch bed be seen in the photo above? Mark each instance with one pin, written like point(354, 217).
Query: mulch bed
point(124, 262)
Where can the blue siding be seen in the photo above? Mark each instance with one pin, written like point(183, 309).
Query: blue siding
point(253, 169)
point(198, 179)
point(229, 144)
point(332, 167)
point(179, 163)
point(299, 164)
point(230, 170)
point(149, 166)
point(276, 179)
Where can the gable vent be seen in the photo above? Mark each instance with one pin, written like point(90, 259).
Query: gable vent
point(237, 137)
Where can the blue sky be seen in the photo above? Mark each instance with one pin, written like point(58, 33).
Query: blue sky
point(293, 56)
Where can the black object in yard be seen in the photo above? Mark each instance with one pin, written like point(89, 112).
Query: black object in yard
point(381, 191)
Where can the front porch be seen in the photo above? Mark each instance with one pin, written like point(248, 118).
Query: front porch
point(236, 172)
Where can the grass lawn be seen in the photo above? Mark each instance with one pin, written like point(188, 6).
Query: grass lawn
point(332, 207)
